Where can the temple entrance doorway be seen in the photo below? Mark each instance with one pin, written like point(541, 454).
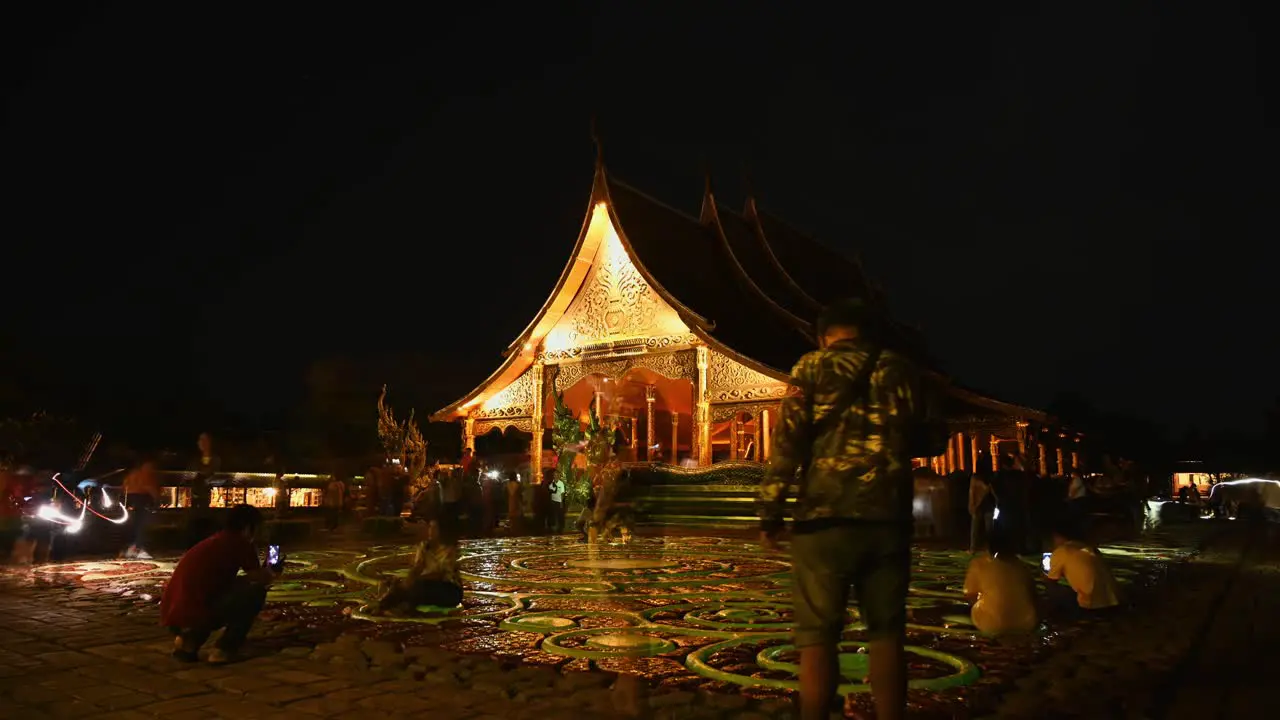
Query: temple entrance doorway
point(744, 436)
point(651, 415)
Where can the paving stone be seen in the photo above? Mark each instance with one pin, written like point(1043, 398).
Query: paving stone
point(71, 709)
point(296, 677)
point(241, 684)
point(125, 701)
point(280, 694)
point(165, 707)
point(319, 705)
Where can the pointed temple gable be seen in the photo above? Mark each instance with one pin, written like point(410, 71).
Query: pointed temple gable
point(680, 332)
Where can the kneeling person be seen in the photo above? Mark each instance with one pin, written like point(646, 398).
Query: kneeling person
point(1001, 589)
point(433, 580)
point(1082, 566)
point(205, 593)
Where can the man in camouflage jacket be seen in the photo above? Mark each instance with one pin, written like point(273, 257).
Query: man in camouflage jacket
point(852, 511)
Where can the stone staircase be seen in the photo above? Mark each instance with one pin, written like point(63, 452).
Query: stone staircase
point(718, 497)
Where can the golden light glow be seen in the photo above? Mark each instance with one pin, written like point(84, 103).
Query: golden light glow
point(613, 302)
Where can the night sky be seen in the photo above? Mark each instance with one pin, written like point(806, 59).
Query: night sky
point(201, 205)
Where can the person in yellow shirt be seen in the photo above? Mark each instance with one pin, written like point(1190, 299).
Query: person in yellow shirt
point(1001, 589)
point(1082, 566)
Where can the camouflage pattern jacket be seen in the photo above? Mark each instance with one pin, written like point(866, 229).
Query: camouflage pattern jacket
point(859, 468)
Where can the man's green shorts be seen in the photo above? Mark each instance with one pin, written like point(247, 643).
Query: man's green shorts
point(872, 558)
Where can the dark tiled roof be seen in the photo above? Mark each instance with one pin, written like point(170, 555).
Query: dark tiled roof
point(825, 274)
point(688, 259)
point(752, 255)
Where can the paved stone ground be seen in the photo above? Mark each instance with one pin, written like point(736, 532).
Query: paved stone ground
point(69, 650)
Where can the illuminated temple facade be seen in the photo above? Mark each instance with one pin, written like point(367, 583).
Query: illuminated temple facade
point(681, 332)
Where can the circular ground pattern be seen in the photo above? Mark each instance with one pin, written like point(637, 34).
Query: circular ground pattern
point(696, 613)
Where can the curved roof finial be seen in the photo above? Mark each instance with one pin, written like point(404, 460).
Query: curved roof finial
point(595, 140)
point(708, 196)
point(748, 205)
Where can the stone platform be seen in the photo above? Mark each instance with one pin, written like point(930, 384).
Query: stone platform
point(699, 616)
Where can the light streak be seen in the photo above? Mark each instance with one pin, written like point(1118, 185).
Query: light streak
point(76, 524)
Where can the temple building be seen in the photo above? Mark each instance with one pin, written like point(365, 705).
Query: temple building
point(681, 331)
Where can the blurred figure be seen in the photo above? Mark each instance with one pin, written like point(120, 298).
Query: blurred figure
point(982, 508)
point(557, 489)
point(142, 497)
point(335, 498)
point(205, 467)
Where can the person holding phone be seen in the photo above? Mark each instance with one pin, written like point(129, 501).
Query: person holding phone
point(205, 592)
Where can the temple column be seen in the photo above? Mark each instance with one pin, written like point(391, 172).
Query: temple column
point(675, 438)
point(961, 465)
point(973, 450)
point(635, 422)
point(702, 423)
point(950, 462)
point(735, 438)
point(1022, 438)
point(766, 441)
point(758, 447)
point(995, 453)
point(469, 434)
point(599, 403)
point(650, 434)
point(535, 452)
point(1044, 460)
point(1061, 469)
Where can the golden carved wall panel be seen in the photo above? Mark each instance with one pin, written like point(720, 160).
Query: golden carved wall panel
point(483, 427)
point(514, 400)
point(730, 381)
point(647, 344)
point(614, 303)
point(724, 413)
point(680, 365)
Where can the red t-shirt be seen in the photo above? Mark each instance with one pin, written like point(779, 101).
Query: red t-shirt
point(203, 574)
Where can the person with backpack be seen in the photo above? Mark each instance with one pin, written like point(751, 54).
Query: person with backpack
point(847, 440)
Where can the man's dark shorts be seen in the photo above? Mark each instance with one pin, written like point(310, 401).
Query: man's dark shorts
point(872, 558)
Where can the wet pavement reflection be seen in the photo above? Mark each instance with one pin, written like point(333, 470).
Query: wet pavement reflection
point(695, 613)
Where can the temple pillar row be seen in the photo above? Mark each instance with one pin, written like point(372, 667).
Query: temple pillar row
point(702, 419)
point(766, 442)
point(650, 432)
point(535, 452)
point(758, 449)
point(675, 438)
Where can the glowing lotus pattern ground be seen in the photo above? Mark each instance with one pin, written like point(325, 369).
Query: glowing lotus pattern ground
point(693, 613)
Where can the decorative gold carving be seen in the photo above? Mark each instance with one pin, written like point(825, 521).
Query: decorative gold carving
point(731, 381)
point(514, 400)
point(483, 427)
point(621, 347)
point(614, 303)
point(723, 413)
point(673, 366)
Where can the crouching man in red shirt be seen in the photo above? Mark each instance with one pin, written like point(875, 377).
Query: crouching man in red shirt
point(205, 593)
